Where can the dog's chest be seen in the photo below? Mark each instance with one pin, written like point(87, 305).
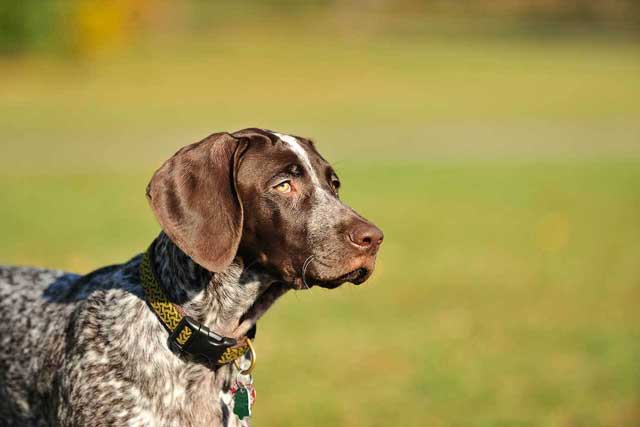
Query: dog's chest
point(210, 402)
point(141, 382)
point(169, 392)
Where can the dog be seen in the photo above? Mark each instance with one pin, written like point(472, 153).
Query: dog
point(165, 338)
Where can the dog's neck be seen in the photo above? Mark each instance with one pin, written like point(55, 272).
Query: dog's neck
point(229, 302)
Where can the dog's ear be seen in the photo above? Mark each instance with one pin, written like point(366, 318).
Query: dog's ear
point(194, 197)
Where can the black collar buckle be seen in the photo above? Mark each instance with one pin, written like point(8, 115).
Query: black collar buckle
point(193, 338)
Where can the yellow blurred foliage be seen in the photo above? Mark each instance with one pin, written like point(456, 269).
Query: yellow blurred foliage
point(99, 26)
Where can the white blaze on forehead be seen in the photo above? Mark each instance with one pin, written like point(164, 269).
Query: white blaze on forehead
point(295, 146)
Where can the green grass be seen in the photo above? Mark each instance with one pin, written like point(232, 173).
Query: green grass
point(506, 176)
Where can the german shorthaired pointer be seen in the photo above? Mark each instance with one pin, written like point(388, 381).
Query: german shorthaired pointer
point(162, 339)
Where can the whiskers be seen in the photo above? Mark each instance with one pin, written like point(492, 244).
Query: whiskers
point(305, 265)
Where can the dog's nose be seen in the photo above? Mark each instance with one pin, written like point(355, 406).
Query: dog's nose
point(365, 236)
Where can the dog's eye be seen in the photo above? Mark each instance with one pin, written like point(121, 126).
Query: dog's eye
point(283, 187)
point(335, 184)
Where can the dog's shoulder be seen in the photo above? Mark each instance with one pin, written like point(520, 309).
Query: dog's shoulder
point(121, 278)
point(64, 323)
point(57, 286)
point(19, 279)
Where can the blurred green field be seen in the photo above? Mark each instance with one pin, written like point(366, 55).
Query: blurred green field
point(505, 174)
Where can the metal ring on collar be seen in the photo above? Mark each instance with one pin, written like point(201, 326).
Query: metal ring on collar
point(252, 352)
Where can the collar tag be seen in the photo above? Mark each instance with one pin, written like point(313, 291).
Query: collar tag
point(244, 396)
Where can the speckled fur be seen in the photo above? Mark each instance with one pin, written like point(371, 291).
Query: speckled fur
point(87, 350)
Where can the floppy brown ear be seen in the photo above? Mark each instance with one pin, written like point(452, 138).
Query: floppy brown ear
point(193, 195)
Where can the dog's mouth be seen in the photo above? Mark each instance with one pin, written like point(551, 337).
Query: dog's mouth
point(357, 276)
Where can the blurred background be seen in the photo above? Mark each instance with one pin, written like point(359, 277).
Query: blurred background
point(496, 142)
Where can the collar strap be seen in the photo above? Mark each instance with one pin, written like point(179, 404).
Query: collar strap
point(187, 335)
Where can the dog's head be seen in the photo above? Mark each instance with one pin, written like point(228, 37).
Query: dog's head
point(268, 198)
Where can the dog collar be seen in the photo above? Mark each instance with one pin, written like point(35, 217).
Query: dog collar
point(186, 335)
